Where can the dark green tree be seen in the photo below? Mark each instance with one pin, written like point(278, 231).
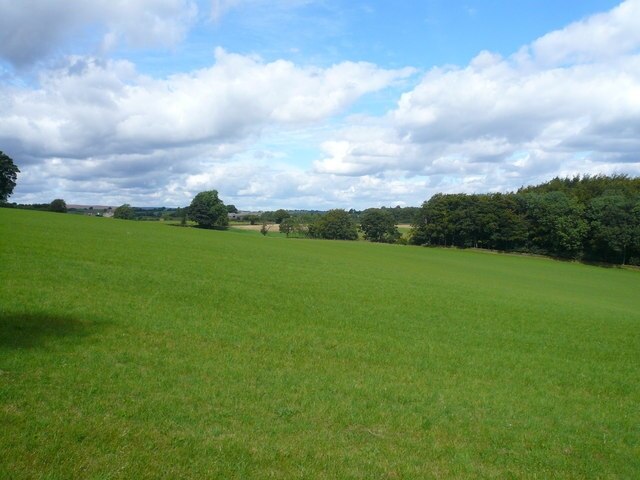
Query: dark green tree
point(334, 225)
point(597, 218)
point(614, 221)
point(510, 231)
point(8, 175)
point(124, 212)
point(58, 205)
point(232, 209)
point(267, 216)
point(288, 226)
point(280, 215)
point(588, 187)
point(556, 223)
point(252, 219)
point(379, 226)
point(432, 225)
point(403, 214)
point(208, 211)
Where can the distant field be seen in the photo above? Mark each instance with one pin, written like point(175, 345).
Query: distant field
point(143, 350)
point(273, 228)
point(404, 229)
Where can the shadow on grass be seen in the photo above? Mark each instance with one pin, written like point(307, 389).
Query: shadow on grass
point(193, 225)
point(31, 330)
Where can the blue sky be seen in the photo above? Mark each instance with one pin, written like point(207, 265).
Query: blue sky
point(314, 104)
point(390, 34)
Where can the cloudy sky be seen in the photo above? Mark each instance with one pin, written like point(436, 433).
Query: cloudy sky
point(314, 103)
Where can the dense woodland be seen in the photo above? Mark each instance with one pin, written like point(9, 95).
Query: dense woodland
point(592, 218)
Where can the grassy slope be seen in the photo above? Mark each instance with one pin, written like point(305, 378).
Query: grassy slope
point(132, 350)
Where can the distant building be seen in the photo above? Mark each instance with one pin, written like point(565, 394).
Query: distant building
point(240, 216)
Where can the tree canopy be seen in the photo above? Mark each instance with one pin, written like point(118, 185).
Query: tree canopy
point(334, 225)
point(614, 222)
point(280, 215)
point(8, 176)
point(252, 219)
point(124, 212)
point(593, 218)
point(208, 211)
point(379, 225)
point(292, 225)
point(58, 205)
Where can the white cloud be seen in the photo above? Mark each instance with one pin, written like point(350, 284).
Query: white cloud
point(102, 121)
point(512, 121)
point(92, 107)
point(600, 37)
point(567, 103)
point(32, 29)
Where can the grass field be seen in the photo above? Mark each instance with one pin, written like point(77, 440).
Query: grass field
point(141, 350)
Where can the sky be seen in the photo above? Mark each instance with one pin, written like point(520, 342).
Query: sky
point(314, 104)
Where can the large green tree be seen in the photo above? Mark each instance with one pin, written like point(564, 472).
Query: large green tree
point(280, 215)
point(379, 226)
point(124, 212)
point(8, 175)
point(252, 219)
point(334, 225)
point(614, 224)
point(208, 211)
point(58, 205)
point(556, 223)
point(433, 224)
point(288, 225)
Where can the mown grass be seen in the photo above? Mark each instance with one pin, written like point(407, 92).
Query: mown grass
point(140, 350)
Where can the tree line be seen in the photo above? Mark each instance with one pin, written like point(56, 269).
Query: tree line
point(594, 218)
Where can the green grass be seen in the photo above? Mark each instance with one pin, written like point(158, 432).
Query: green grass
point(141, 350)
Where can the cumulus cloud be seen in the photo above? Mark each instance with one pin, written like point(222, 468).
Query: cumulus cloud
point(93, 118)
point(567, 103)
point(562, 105)
point(32, 29)
point(261, 186)
point(91, 107)
point(600, 37)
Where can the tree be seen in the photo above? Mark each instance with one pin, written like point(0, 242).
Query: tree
point(289, 225)
point(334, 225)
point(124, 212)
point(232, 209)
point(432, 223)
point(511, 227)
point(8, 176)
point(613, 221)
point(379, 226)
point(267, 216)
point(252, 219)
point(556, 223)
point(280, 215)
point(58, 205)
point(208, 211)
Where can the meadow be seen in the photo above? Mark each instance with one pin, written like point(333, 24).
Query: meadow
point(143, 350)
